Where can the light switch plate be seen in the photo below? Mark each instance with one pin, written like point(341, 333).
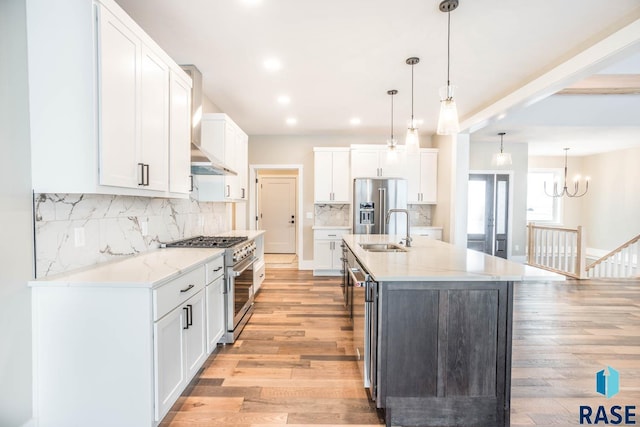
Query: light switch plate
point(309, 215)
point(79, 238)
point(144, 228)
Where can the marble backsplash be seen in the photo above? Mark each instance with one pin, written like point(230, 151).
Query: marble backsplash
point(339, 215)
point(114, 226)
point(332, 214)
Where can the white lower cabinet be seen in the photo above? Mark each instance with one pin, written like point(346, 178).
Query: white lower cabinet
point(327, 252)
point(430, 232)
point(120, 353)
point(215, 313)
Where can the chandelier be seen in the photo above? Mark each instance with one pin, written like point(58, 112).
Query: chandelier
point(565, 191)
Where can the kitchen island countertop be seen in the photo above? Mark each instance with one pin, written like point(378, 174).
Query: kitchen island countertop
point(432, 260)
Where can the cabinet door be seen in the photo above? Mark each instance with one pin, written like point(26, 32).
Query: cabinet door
point(154, 120)
point(195, 334)
point(322, 164)
point(230, 144)
point(341, 176)
point(180, 135)
point(241, 163)
point(215, 313)
point(393, 163)
point(118, 77)
point(323, 255)
point(336, 255)
point(429, 176)
point(364, 163)
point(414, 179)
point(170, 375)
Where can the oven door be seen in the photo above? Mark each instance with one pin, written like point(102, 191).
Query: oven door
point(239, 291)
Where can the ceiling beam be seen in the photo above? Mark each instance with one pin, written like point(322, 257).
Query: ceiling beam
point(605, 84)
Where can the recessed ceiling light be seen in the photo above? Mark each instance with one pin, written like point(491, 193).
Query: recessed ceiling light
point(291, 121)
point(284, 99)
point(272, 64)
point(355, 121)
point(252, 2)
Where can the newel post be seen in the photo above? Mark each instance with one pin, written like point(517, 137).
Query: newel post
point(581, 261)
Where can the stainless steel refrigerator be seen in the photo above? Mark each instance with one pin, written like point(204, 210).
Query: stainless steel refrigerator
point(372, 199)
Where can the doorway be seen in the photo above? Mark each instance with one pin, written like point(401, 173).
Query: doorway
point(488, 216)
point(276, 210)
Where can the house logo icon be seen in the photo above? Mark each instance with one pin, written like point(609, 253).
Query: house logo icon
point(608, 384)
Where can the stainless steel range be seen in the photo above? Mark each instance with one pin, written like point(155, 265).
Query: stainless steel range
point(239, 257)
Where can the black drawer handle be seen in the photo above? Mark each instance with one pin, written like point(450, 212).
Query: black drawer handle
point(187, 289)
point(189, 315)
point(262, 275)
point(186, 318)
point(217, 269)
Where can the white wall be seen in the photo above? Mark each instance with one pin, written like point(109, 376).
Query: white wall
point(16, 245)
point(480, 157)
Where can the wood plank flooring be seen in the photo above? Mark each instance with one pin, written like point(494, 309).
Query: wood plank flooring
point(294, 364)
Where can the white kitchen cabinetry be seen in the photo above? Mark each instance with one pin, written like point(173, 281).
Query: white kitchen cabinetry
point(215, 302)
point(327, 252)
point(331, 175)
point(224, 139)
point(372, 161)
point(109, 129)
point(423, 177)
point(142, 321)
point(259, 268)
point(179, 134)
point(430, 232)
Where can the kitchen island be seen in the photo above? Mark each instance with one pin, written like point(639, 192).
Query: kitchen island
point(432, 324)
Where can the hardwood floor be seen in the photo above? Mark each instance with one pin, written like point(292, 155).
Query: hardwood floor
point(294, 364)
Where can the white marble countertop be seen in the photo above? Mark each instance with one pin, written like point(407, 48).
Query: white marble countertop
point(433, 260)
point(331, 227)
point(426, 226)
point(146, 270)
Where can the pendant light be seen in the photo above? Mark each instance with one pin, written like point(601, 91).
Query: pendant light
point(501, 158)
point(413, 139)
point(565, 191)
point(392, 142)
point(448, 120)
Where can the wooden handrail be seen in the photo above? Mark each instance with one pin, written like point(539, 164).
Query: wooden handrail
point(613, 252)
point(566, 255)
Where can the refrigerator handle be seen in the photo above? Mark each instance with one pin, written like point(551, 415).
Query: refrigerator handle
point(383, 210)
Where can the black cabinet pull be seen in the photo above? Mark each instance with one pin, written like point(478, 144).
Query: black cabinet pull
point(186, 316)
point(218, 269)
point(189, 315)
point(243, 193)
point(146, 166)
point(228, 191)
point(141, 182)
point(187, 289)
point(191, 185)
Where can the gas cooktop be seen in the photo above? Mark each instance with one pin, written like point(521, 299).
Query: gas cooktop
point(207, 242)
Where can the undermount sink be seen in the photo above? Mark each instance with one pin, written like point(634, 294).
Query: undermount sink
point(382, 247)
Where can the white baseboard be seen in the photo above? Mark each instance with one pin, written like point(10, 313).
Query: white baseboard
point(305, 265)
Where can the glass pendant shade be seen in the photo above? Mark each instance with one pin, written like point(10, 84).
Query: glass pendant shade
point(413, 139)
point(448, 119)
point(501, 159)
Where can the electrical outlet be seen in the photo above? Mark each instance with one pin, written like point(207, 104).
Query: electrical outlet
point(144, 228)
point(78, 233)
point(517, 247)
point(309, 215)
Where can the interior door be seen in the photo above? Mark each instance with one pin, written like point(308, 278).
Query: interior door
point(488, 210)
point(277, 214)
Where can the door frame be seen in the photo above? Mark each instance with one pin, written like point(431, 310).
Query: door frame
point(511, 174)
point(253, 174)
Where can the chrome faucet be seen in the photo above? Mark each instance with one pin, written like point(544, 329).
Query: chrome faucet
point(408, 238)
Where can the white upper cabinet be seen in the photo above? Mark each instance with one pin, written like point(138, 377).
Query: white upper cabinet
point(423, 177)
point(331, 175)
point(223, 138)
point(371, 162)
point(179, 134)
point(101, 119)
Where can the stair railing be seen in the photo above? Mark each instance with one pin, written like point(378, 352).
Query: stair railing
point(557, 249)
point(621, 262)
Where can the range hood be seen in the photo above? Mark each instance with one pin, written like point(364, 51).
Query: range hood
point(202, 162)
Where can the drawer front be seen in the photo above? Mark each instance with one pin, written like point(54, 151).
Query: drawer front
point(330, 234)
point(258, 272)
point(432, 233)
point(214, 269)
point(173, 293)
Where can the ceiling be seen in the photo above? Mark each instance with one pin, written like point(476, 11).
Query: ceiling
point(340, 57)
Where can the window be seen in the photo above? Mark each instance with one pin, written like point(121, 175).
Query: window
point(540, 207)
